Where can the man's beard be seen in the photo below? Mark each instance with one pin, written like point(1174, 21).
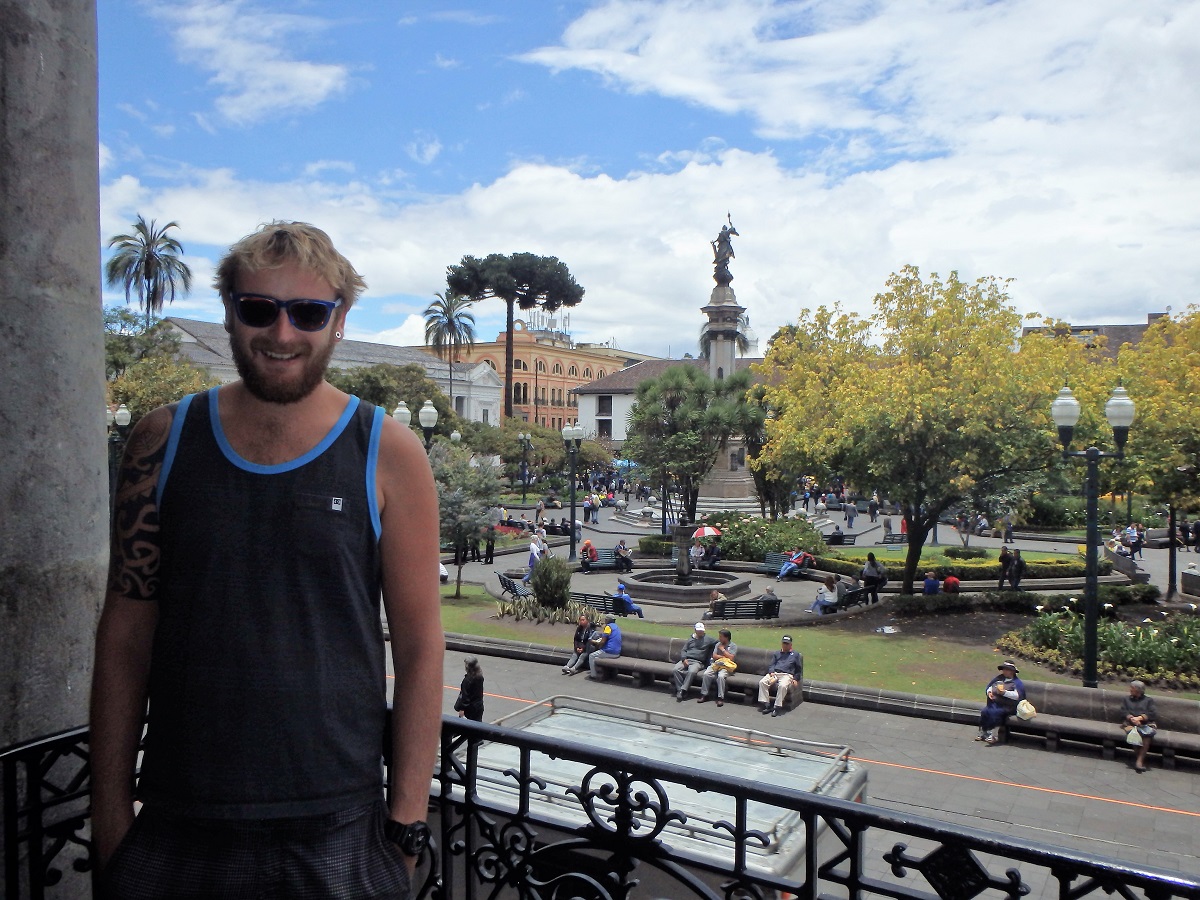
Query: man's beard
point(275, 391)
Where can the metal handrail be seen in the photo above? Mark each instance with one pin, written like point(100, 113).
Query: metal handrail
point(621, 834)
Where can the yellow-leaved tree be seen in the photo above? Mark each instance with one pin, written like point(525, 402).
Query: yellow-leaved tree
point(933, 400)
point(1162, 375)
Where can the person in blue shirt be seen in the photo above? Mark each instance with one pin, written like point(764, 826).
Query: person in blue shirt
point(932, 585)
point(625, 604)
point(607, 642)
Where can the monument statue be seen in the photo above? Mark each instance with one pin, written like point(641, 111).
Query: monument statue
point(723, 252)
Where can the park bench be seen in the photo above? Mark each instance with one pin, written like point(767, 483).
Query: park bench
point(849, 600)
point(651, 658)
point(514, 589)
point(1066, 712)
point(605, 559)
point(601, 603)
point(746, 609)
point(1127, 567)
point(773, 562)
point(895, 537)
point(838, 540)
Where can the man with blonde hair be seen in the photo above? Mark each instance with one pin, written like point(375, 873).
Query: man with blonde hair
point(256, 527)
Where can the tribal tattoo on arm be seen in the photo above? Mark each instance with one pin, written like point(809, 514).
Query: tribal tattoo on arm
point(134, 564)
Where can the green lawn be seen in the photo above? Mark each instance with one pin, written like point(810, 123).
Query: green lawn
point(900, 662)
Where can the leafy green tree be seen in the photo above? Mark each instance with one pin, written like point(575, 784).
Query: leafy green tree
point(522, 279)
point(551, 582)
point(449, 326)
point(466, 494)
point(155, 381)
point(386, 385)
point(933, 400)
point(128, 338)
point(148, 260)
point(681, 422)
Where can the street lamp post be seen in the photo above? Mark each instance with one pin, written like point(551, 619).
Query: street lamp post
point(1065, 411)
point(428, 416)
point(526, 446)
point(118, 425)
point(402, 414)
point(572, 438)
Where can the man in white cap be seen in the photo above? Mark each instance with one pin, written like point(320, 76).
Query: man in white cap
point(692, 659)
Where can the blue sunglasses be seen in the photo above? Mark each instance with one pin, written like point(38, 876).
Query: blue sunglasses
point(261, 311)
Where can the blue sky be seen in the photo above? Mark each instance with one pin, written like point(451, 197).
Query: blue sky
point(1053, 143)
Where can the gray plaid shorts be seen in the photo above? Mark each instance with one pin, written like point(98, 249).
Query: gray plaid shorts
point(342, 854)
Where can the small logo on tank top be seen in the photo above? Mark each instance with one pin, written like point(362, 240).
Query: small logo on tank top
point(336, 504)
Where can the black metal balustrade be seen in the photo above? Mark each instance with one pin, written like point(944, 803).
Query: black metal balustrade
point(615, 834)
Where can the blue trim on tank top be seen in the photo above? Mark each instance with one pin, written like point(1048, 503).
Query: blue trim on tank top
point(372, 462)
point(232, 455)
point(172, 445)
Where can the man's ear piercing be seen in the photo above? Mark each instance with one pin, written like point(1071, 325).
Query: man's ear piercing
point(338, 335)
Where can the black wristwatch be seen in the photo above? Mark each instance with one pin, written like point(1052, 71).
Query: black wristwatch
point(412, 838)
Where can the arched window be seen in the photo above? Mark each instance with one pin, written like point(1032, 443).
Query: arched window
point(490, 363)
point(587, 373)
point(519, 365)
point(558, 368)
point(599, 373)
point(541, 366)
point(573, 372)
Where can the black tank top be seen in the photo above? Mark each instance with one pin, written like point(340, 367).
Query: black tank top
point(267, 682)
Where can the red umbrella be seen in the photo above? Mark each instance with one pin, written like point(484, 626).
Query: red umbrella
point(706, 531)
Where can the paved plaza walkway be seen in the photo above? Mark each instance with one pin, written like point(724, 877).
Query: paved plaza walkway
point(1072, 798)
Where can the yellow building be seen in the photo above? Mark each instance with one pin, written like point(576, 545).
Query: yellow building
point(547, 365)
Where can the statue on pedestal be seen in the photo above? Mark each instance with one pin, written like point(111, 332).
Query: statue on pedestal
point(723, 252)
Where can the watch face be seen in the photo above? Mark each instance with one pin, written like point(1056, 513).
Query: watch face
point(411, 839)
point(417, 839)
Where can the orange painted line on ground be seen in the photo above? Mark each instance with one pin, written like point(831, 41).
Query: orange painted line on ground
point(979, 778)
point(1029, 787)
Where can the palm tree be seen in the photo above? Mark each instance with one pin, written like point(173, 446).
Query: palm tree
point(148, 259)
point(449, 326)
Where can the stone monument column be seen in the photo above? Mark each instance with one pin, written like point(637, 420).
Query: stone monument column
point(729, 479)
point(53, 477)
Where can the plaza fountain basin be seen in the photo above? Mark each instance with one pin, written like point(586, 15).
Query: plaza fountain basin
point(660, 586)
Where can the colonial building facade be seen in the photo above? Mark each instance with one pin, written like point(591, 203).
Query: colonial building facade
point(547, 368)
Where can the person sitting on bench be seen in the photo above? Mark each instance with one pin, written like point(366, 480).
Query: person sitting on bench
point(712, 555)
point(783, 671)
point(799, 560)
point(624, 604)
point(826, 598)
point(624, 557)
point(587, 555)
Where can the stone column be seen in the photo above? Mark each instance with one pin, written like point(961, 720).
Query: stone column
point(53, 477)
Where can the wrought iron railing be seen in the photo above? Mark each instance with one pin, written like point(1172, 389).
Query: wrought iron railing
point(615, 833)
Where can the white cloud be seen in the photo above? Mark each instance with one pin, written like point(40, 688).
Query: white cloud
point(444, 62)
point(1051, 143)
point(410, 333)
point(249, 53)
point(1097, 244)
point(910, 78)
point(321, 166)
point(424, 148)
point(105, 156)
